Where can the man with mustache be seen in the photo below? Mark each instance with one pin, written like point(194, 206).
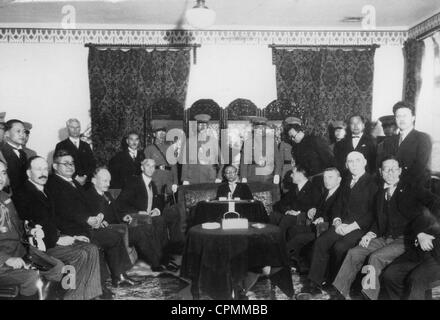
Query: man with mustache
point(34, 204)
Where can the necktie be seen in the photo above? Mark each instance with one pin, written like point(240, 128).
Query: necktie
point(352, 183)
point(72, 184)
point(388, 194)
point(150, 197)
point(400, 139)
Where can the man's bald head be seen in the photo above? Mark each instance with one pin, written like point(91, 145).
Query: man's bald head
point(356, 163)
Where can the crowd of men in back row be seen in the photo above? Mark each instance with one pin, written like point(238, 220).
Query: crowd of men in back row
point(373, 196)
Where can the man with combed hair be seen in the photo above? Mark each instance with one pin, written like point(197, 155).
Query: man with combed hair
point(352, 216)
point(397, 207)
point(34, 204)
point(82, 153)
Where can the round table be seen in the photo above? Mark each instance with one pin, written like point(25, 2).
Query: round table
point(216, 260)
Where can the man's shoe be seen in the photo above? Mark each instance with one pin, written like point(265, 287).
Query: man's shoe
point(172, 267)
point(122, 282)
point(309, 290)
point(159, 268)
point(107, 294)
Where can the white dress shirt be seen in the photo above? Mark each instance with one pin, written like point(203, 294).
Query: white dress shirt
point(147, 181)
point(355, 140)
point(75, 141)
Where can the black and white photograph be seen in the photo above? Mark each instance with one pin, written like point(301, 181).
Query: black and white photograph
point(194, 151)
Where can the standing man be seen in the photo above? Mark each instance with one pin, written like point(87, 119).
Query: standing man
point(206, 168)
point(352, 216)
point(34, 204)
point(357, 140)
point(284, 159)
point(126, 163)
point(389, 127)
point(82, 153)
point(411, 147)
point(397, 207)
point(29, 152)
point(13, 153)
point(262, 168)
point(165, 175)
point(339, 131)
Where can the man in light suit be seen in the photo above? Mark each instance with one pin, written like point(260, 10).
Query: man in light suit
point(82, 153)
point(411, 147)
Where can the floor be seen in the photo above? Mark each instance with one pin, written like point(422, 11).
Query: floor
point(168, 286)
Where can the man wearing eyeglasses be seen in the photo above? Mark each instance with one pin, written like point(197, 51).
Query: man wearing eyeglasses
point(74, 217)
point(397, 206)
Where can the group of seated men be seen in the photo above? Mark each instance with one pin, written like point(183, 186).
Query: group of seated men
point(339, 207)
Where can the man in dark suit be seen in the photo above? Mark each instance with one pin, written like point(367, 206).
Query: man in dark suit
point(33, 204)
point(14, 255)
point(232, 187)
point(310, 152)
point(397, 206)
point(356, 140)
point(411, 147)
point(74, 217)
point(412, 274)
point(140, 199)
point(13, 153)
point(126, 163)
point(317, 216)
point(291, 211)
point(144, 238)
point(82, 153)
point(352, 215)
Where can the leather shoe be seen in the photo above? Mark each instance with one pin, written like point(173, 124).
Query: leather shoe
point(107, 294)
point(158, 269)
point(122, 282)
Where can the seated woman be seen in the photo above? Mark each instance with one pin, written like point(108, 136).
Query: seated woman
point(232, 188)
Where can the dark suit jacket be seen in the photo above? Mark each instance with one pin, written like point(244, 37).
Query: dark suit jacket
point(313, 153)
point(366, 146)
point(302, 201)
point(123, 167)
point(71, 209)
point(85, 162)
point(134, 197)
point(34, 206)
point(356, 204)
point(414, 153)
point(241, 191)
point(99, 204)
point(16, 167)
point(325, 206)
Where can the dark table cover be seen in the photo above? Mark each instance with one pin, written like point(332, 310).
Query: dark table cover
point(217, 259)
point(213, 211)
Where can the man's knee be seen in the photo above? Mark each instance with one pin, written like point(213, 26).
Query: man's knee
point(29, 284)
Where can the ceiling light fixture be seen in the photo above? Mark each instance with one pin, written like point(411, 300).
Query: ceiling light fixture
point(200, 16)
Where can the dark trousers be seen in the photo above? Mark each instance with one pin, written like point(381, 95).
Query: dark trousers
point(113, 251)
point(172, 220)
point(331, 245)
point(410, 275)
point(298, 242)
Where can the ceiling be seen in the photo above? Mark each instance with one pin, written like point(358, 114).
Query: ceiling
point(231, 14)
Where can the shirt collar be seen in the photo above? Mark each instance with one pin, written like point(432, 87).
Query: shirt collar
point(130, 150)
point(333, 190)
point(74, 140)
point(146, 179)
point(64, 178)
point(98, 192)
point(357, 136)
point(404, 135)
point(39, 187)
point(301, 185)
point(15, 147)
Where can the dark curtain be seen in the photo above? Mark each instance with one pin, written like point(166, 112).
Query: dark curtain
point(413, 53)
point(123, 87)
point(325, 84)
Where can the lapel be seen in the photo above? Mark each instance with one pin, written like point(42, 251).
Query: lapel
point(72, 145)
point(38, 194)
point(362, 141)
point(407, 142)
point(10, 154)
point(144, 188)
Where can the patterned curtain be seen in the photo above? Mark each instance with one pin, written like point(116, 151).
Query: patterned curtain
point(124, 85)
point(325, 84)
point(413, 52)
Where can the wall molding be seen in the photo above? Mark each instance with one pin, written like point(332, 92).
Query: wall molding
point(251, 37)
point(425, 26)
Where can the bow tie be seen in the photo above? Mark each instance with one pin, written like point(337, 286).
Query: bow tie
point(386, 185)
point(356, 137)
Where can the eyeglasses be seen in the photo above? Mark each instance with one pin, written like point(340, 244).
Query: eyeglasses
point(391, 170)
point(67, 164)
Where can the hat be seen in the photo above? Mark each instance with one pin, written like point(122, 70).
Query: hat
point(2, 116)
point(339, 124)
point(258, 121)
point(27, 126)
point(387, 120)
point(202, 117)
point(292, 120)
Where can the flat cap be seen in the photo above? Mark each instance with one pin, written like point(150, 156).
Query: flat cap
point(27, 126)
point(202, 117)
point(339, 124)
point(292, 120)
